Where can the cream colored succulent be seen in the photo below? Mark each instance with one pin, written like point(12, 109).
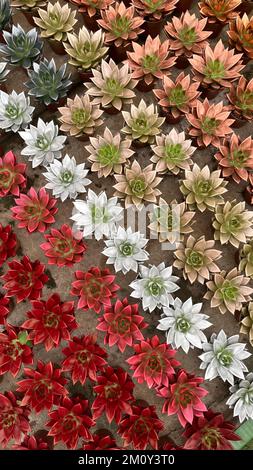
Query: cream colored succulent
point(246, 258)
point(137, 185)
point(108, 153)
point(233, 223)
point(172, 152)
point(112, 86)
point(142, 122)
point(80, 116)
point(86, 49)
point(28, 4)
point(196, 259)
point(247, 322)
point(171, 221)
point(203, 189)
point(56, 21)
point(228, 291)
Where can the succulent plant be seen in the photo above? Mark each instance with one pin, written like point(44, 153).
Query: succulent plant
point(112, 86)
point(222, 10)
point(142, 122)
point(240, 34)
point(241, 97)
point(92, 7)
point(5, 13)
point(217, 67)
point(241, 399)
point(235, 158)
point(86, 49)
point(196, 259)
point(187, 35)
point(203, 189)
point(3, 71)
point(15, 111)
point(28, 4)
point(171, 221)
point(47, 83)
point(232, 223)
point(21, 48)
point(154, 8)
point(121, 24)
point(150, 61)
point(228, 291)
point(179, 96)
point(172, 152)
point(210, 122)
point(247, 322)
point(108, 153)
point(246, 258)
point(80, 116)
point(56, 21)
point(137, 185)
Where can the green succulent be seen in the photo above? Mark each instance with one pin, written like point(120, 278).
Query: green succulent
point(5, 13)
point(86, 49)
point(21, 48)
point(56, 21)
point(47, 83)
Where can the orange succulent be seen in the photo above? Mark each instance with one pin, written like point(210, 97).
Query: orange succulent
point(92, 6)
point(222, 10)
point(241, 34)
point(154, 8)
point(236, 158)
point(241, 97)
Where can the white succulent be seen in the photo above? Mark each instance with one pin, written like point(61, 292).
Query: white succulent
point(155, 286)
point(183, 323)
point(125, 250)
point(223, 357)
point(43, 144)
point(242, 398)
point(3, 71)
point(66, 178)
point(98, 215)
point(15, 111)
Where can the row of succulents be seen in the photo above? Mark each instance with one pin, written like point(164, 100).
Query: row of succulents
point(51, 321)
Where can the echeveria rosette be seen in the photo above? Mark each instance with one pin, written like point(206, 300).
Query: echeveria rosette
point(5, 13)
point(246, 258)
point(235, 158)
point(92, 7)
point(219, 10)
point(241, 398)
point(21, 48)
point(98, 215)
point(101, 441)
point(28, 4)
point(241, 98)
point(86, 49)
point(142, 122)
point(15, 350)
point(154, 9)
point(12, 175)
point(155, 286)
point(126, 250)
point(66, 179)
point(240, 34)
point(15, 111)
point(172, 152)
point(14, 421)
point(183, 324)
point(233, 223)
point(223, 357)
point(31, 443)
point(247, 321)
point(43, 144)
point(56, 21)
point(196, 257)
point(80, 116)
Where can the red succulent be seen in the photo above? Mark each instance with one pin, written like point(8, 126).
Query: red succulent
point(8, 242)
point(183, 397)
point(141, 428)
point(70, 422)
point(25, 279)
point(235, 158)
point(62, 248)
point(84, 358)
point(35, 210)
point(14, 423)
point(104, 442)
point(31, 443)
point(12, 175)
point(122, 324)
point(153, 362)
point(94, 288)
point(4, 308)
point(14, 350)
point(43, 388)
point(113, 394)
point(50, 321)
point(210, 432)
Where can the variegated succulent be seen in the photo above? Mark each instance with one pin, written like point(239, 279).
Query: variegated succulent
point(210, 122)
point(86, 49)
point(221, 10)
point(56, 21)
point(142, 122)
point(187, 34)
point(179, 96)
point(241, 34)
point(150, 61)
point(233, 223)
point(228, 291)
point(241, 98)
point(80, 116)
point(108, 153)
point(92, 7)
point(197, 259)
point(112, 86)
point(235, 157)
point(247, 322)
point(171, 221)
point(172, 152)
point(137, 185)
point(154, 8)
point(246, 258)
point(202, 188)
